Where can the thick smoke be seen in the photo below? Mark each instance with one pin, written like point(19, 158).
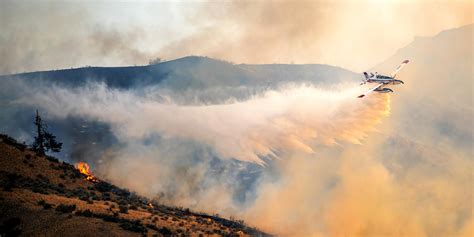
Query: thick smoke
point(293, 118)
point(356, 191)
point(411, 177)
point(31, 30)
point(332, 32)
point(159, 137)
point(342, 33)
point(322, 184)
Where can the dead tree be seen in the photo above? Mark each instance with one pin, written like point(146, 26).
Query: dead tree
point(44, 140)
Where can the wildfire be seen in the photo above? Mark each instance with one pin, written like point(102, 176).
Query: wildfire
point(84, 168)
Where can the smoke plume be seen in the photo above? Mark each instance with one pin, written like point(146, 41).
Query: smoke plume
point(125, 33)
point(322, 184)
point(293, 118)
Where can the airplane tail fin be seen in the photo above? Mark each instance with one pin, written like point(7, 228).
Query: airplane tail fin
point(366, 78)
point(366, 75)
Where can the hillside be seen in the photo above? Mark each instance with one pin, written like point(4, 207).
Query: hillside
point(426, 142)
point(190, 72)
point(189, 80)
point(43, 196)
point(436, 99)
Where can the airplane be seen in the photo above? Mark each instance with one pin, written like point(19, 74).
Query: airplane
point(382, 80)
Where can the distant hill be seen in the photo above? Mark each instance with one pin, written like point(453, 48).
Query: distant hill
point(191, 72)
point(427, 136)
point(426, 142)
point(189, 80)
point(42, 196)
point(437, 97)
point(441, 65)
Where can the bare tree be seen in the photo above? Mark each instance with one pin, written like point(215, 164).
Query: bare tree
point(44, 140)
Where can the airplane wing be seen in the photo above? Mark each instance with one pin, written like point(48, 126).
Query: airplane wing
point(394, 73)
point(370, 91)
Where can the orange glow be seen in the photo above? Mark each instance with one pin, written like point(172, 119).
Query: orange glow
point(84, 168)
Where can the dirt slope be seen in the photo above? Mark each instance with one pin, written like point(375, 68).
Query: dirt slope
point(41, 196)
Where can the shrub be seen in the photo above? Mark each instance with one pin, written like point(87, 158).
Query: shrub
point(123, 209)
point(75, 175)
point(109, 218)
point(52, 159)
point(151, 226)
point(44, 204)
point(165, 231)
point(69, 194)
point(133, 226)
point(66, 208)
point(84, 198)
point(37, 189)
point(103, 187)
point(86, 213)
point(8, 185)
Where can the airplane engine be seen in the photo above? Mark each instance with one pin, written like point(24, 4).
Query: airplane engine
point(396, 82)
point(384, 90)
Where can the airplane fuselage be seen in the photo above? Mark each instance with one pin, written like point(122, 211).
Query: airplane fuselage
point(382, 80)
point(385, 81)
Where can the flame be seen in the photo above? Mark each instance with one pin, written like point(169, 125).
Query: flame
point(84, 168)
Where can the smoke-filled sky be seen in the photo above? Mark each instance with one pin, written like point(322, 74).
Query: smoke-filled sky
point(352, 34)
point(295, 118)
point(294, 159)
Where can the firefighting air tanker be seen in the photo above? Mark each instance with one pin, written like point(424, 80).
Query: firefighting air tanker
point(382, 80)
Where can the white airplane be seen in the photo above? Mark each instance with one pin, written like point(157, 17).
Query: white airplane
point(382, 80)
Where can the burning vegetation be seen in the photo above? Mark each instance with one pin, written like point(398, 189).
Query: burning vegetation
point(84, 168)
point(89, 206)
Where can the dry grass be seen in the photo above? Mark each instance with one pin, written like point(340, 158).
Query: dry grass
point(32, 188)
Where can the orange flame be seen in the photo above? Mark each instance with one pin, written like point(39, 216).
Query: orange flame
point(84, 168)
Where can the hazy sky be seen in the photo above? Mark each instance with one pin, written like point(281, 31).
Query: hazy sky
point(39, 35)
point(410, 176)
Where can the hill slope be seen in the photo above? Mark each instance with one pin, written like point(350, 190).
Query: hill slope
point(189, 73)
point(436, 99)
point(43, 196)
point(189, 80)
